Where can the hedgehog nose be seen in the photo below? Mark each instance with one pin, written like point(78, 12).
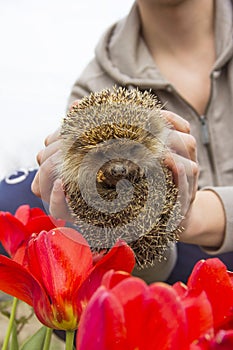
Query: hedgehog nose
point(118, 170)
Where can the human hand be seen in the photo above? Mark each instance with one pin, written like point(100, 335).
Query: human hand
point(46, 183)
point(181, 160)
point(196, 205)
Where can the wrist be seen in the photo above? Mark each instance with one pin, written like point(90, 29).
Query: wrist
point(205, 222)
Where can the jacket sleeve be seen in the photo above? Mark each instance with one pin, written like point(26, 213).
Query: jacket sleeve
point(225, 194)
point(161, 270)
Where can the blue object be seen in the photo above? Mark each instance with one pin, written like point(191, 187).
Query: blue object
point(15, 190)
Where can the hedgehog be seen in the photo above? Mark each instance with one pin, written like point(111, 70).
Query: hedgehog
point(113, 174)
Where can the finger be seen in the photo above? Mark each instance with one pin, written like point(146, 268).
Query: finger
point(52, 137)
point(186, 191)
point(39, 156)
point(182, 144)
point(58, 205)
point(172, 160)
point(43, 182)
point(176, 163)
point(183, 189)
point(48, 151)
point(42, 156)
point(35, 187)
point(195, 182)
point(176, 121)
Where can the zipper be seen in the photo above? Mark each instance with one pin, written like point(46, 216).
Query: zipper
point(205, 135)
point(206, 142)
point(204, 130)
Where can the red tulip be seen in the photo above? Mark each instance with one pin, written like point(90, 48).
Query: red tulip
point(198, 311)
point(58, 265)
point(15, 230)
point(130, 315)
point(211, 276)
point(126, 314)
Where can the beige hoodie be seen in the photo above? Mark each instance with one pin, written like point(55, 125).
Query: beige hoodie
point(122, 58)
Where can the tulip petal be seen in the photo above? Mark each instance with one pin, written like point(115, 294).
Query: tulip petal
point(66, 260)
point(180, 288)
point(198, 310)
point(15, 280)
point(24, 213)
point(158, 311)
point(36, 220)
point(43, 223)
point(102, 324)
point(199, 315)
point(111, 278)
point(120, 257)
point(170, 319)
point(12, 232)
point(212, 277)
point(15, 230)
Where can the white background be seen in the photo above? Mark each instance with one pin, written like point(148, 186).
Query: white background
point(45, 44)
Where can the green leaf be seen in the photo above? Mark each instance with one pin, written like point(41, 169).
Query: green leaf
point(14, 338)
point(36, 342)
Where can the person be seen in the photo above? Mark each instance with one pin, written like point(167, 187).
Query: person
point(182, 51)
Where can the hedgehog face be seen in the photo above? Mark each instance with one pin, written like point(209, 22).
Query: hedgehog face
point(118, 159)
point(121, 161)
point(118, 169)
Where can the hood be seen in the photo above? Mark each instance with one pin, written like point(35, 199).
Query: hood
point(223, 32)
point(124, 56)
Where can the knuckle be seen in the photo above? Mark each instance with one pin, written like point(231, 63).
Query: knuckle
point(44, 166)
point(192, 143)
point(39, 156)
point(35, 187)
point(52, 138)
point(47, 167)
point(46, 140)
point(195, 169)
point(187, 127)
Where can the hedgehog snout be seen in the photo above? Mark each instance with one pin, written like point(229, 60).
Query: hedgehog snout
point(113, 171)
point(118, 170)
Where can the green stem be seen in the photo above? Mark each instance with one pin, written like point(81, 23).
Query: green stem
point(10, 325)
point(70, 340)
point(48, 337)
